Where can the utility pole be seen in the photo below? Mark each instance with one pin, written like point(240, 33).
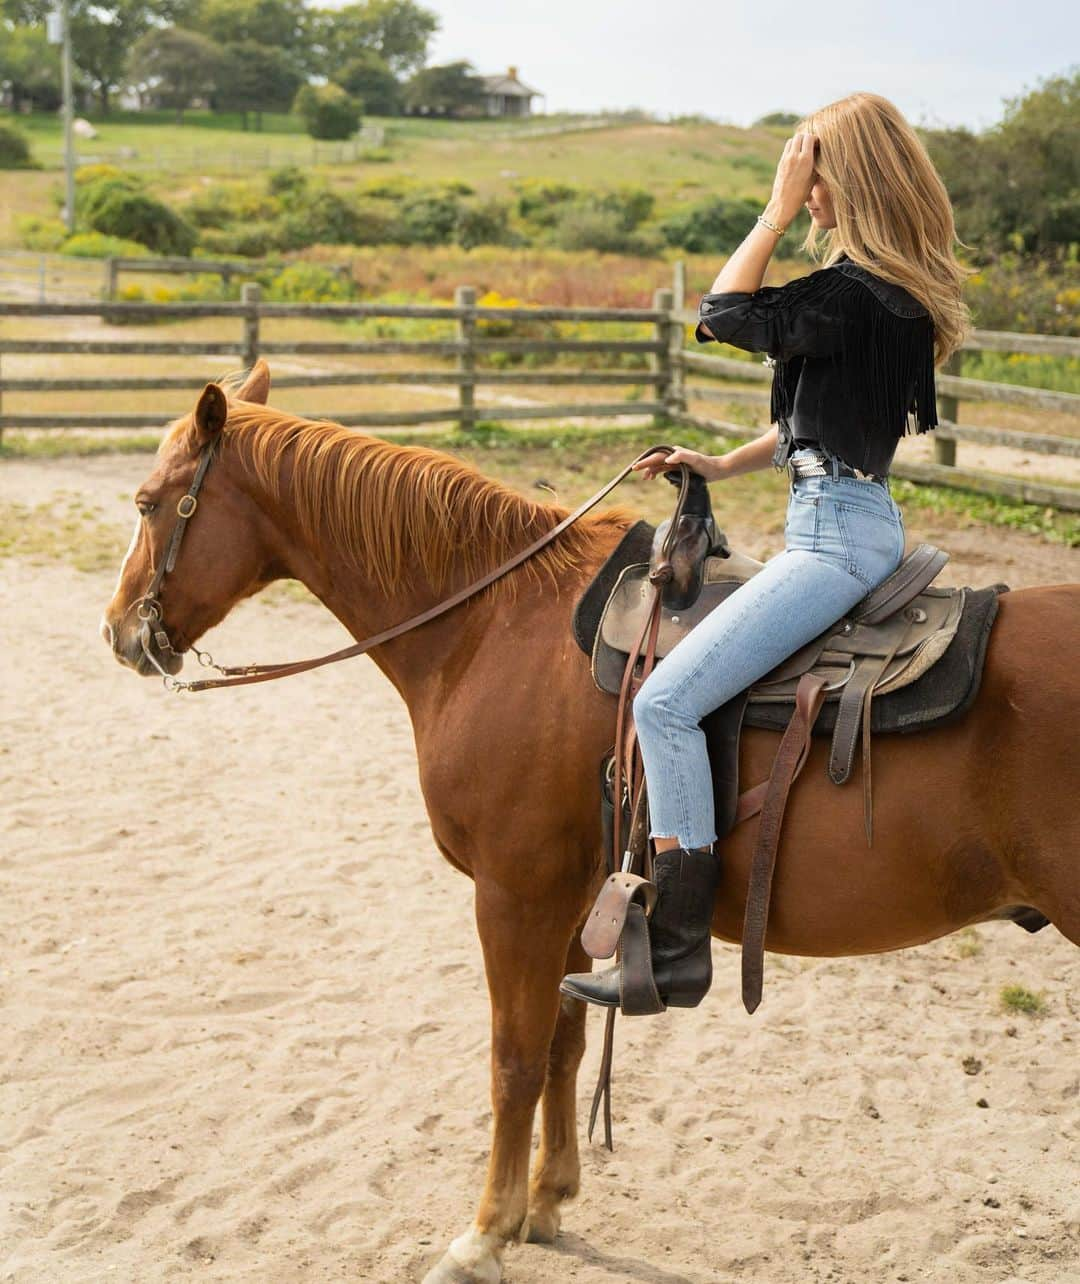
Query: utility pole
point(58, 27)
point(69, 133)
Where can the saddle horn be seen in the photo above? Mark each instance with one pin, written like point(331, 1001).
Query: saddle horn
point(683, 541)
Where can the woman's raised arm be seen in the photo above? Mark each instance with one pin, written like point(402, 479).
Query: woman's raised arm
point(745, 270)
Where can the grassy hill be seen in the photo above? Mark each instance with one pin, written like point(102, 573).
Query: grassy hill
point(679, 163)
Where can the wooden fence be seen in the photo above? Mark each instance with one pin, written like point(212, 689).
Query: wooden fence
point(467, 347)
point(224, 268)
point(677, 395)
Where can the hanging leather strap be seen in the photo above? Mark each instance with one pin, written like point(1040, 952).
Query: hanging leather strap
point(790, 757)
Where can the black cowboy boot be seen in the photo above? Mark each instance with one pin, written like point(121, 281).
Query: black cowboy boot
point(679, 935)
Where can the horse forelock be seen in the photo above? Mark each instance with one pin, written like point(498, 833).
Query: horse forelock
point(395, 509)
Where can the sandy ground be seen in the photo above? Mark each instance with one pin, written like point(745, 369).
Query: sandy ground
point(246, 1032)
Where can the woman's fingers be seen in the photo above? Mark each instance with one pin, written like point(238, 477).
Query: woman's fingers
point(661, 462)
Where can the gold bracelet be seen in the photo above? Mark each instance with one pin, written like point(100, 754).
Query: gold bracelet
point(771, 226)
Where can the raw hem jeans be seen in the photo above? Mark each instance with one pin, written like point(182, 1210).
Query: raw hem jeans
point(842, 537)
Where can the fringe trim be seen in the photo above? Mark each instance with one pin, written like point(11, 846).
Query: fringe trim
point(885, 367)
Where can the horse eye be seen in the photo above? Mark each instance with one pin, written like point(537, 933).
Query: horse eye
point(145, 507)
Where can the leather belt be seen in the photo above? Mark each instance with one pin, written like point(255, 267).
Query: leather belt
point(821, 465)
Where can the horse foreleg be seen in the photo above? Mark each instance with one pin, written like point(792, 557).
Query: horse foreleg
point(557, 1171)
point(525, 944)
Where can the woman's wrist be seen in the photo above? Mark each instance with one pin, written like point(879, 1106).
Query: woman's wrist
point(777, 214)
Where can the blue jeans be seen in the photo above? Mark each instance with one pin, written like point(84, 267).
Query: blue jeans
point(842, 537)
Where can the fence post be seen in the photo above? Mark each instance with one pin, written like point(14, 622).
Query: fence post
point(949, 408)
point(660, 362)
point(465, 297)
point(111, 274)
point(250, 293)
point(678, 285)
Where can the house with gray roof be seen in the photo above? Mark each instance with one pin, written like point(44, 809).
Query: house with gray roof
point(506, 95)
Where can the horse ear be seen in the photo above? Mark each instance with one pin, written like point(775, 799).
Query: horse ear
point(210, 414)
point(256, 386)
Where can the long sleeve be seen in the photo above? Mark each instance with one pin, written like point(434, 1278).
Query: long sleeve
point(804, 318)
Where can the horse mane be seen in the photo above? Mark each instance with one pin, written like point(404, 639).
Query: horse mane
point(395, 508)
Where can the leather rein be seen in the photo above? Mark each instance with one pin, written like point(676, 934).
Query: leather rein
point(150, 612)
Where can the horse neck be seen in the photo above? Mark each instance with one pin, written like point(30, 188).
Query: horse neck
point(416, 660)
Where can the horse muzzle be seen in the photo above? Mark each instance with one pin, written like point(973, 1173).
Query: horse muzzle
point(141, 648)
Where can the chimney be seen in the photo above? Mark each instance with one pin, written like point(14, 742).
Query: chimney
point(512, 73)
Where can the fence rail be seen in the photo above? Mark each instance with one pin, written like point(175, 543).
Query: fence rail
point(670, 372)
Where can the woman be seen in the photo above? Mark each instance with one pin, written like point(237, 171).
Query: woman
point(853, 348)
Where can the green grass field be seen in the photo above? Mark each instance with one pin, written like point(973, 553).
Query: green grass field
point(679, 163)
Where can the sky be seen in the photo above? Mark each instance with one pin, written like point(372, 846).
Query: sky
point(951, 62)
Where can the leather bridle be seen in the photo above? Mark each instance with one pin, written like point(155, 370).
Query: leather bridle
point(148, 607)
point(152, 628)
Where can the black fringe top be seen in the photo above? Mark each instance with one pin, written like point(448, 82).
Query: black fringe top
point(852, 357)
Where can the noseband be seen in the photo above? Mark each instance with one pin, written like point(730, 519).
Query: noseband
point(148, 607)
point(153, 629)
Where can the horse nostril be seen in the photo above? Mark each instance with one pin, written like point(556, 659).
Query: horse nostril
point(106, 631)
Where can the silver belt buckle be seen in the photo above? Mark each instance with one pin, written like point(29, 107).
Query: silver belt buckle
point(806, 467)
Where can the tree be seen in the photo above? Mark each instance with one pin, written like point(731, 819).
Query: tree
point(255, 78)
point(102, 38)
point(276, 24)
point(368, 78)
point(31, 68)
point(1038, 146)
point(327, 111)
point(1017, 185)
point(177, 65)
point(398, 31)
point(449, 90)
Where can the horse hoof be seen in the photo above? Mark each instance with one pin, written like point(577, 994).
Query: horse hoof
point(470, 1259)
point(543, 1225)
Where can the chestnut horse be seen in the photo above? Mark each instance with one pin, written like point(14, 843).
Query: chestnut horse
point(510, 731)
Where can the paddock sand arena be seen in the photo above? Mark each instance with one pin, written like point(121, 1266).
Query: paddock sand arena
point(246, 1033)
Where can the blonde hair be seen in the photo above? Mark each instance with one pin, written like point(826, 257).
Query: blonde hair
point(893, 214)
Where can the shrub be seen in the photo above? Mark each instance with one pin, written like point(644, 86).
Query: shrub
point(542, 203)
point(1019, 292)
point(41, 234)
point(96, 245)
point(394, 187)
point(137, 216)
point(367, 78)
point(376, 223)
point(288, 181)
point(91, 173)
point(222, 204)
point(96, 191)
point(310, 283)
point(429, 218)
point(487, 223)
point(15, 150)
point(319, 216)
point(252, 240)
point(630, 205)
point(716, 226)
point(327, 111)
point(587, 227)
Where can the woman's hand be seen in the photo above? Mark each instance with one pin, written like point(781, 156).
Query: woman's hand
point(794, 177)
point(711, 467)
